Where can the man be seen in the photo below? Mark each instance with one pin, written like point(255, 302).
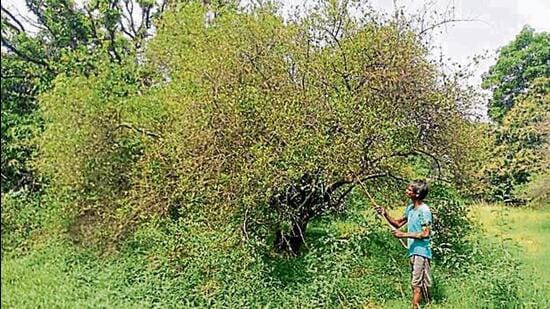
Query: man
point(418, 218)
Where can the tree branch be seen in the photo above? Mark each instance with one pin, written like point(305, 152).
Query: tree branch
point(443, 22)
point(92, 22)
point(23, 56)
point(408, 154)
point(140, 130)
point(350, 180)
point(255, 66)
point(21, 28)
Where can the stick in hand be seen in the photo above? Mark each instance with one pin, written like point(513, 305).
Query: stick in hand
point(381, 213)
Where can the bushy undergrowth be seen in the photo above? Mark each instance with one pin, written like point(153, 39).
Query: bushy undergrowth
point(22, 214)
point(350, 260)
point(451, 229)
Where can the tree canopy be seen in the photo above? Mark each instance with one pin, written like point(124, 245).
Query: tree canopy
point(58, 36)
point(521, 143)
point(518, 64)
point(235, 113)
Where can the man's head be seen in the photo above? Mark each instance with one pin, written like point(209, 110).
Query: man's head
point(417, 190)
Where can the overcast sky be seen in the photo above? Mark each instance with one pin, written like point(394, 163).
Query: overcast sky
point(499, 22)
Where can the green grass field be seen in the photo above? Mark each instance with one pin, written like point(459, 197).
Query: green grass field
point(527, 232)
point(58, 275)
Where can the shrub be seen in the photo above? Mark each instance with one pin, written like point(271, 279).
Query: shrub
point(451, 228)
point(22, 215)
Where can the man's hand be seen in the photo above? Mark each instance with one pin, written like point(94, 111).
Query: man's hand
point(380, 210)
point(349, 178)
point(399, 234)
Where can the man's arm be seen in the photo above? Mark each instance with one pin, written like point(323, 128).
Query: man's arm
point(396, 223)
point(425, 218)
point(420, 235)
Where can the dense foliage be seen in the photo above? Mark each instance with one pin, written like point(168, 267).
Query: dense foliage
point(516, 171)
point(20, 83)
point(518, 64)
point(64, 37)
point(521, 144)
point(241, 108)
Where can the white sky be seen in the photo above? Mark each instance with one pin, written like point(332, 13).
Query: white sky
point(499, 22)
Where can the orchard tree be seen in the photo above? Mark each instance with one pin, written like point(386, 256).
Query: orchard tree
point(519, 81)
point(520, 62)
point(521, 145)
point(254, 123)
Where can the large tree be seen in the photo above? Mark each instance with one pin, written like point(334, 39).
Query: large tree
point(518, 63)
point(520, 148)
point(254, 121)
point(519, 105)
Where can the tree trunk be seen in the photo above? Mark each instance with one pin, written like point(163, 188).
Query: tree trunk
point(293, 240)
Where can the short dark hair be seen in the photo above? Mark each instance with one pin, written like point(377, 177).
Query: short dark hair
point(420, 187)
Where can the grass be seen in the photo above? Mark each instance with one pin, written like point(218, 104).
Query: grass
point(55, 275)
point(347, 265)
point(527, 232)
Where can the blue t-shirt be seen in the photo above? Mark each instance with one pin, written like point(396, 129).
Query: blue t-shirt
point(416, 219)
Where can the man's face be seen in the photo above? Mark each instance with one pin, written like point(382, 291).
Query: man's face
point(409, 192)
